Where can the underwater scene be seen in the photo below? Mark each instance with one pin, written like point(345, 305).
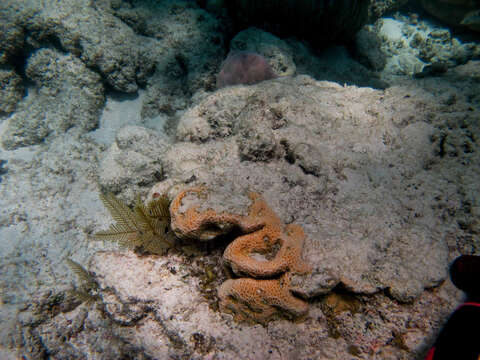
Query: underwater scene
point(239, 179)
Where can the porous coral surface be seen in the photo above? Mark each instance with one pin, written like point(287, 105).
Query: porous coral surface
point(260, 300)
point(269, 248)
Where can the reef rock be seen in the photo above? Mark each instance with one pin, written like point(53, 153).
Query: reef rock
point(11, 90)
point(131, 161)
point(67, 95)
point(164, 313)
point(377, 180)
point(405, 45)
point(184, 43)
point(341, 169)
point(87, 30)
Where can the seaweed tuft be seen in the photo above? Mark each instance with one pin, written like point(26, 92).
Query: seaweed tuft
point(86, 292)
point(145, 229)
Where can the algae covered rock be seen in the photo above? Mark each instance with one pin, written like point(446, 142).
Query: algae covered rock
point(86, 30)
point(67, 95)
point(11, 90)
point(133, 160)
point(337, 149)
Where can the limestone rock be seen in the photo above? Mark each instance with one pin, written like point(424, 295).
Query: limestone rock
point(133, 160)
point(96, 36)
point(404, 45)
point(339, 149)
point(183, 41)
point(11, 37)
point(67, 95)
point(368, 46)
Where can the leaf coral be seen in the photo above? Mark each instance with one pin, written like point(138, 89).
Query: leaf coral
point(263, 257)
point(145, 228)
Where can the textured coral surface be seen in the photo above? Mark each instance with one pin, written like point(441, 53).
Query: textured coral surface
point(267, 249)
point(260, 300)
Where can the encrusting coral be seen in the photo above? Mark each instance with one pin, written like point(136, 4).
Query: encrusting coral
point(265, 255)
point(190, 222)
point(260, 300)
point(269, 251)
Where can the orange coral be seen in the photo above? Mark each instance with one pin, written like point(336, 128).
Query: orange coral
point(193, 223)
point(260, 300)
point(268, 248)
point(272, 250)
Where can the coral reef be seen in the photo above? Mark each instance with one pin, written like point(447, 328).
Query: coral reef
point(355, 168)
point(267, 254)
point(383, 183)
point(349, 242)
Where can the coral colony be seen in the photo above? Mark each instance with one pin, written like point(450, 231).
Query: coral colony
point(264, 257)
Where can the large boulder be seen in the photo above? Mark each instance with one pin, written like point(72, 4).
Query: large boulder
point(332, 159)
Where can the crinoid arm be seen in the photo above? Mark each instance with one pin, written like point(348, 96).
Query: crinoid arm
point(145, 227)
